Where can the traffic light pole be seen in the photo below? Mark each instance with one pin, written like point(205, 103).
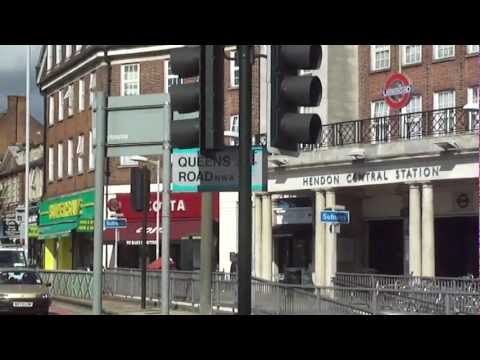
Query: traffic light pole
point(100, 116)
point(206, 252)
point(245, 191)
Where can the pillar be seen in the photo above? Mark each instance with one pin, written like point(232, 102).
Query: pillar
point(330, 243)
point(267, 237)
point(414, 231)
point(258, 236)
point(319, 260)
point(428, 233)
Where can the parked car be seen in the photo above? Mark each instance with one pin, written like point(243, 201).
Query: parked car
point(22, 291)
point(157, 264)
point(12, 256)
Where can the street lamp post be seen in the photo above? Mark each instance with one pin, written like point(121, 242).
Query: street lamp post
point(27, 157)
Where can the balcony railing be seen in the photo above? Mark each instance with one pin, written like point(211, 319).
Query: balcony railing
point(418, 125)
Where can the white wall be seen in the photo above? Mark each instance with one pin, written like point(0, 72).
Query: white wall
point(228, 217)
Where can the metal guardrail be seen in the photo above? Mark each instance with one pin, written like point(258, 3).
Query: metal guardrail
point(351, 295)
point(409, 126)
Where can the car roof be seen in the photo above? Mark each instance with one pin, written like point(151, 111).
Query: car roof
point(17, 269)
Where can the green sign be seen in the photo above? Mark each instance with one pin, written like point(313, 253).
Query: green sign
point(66, 213)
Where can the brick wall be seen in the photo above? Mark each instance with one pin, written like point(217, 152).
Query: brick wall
point(429, 76)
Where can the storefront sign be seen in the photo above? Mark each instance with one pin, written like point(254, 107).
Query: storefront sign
point(297, 215)
point(424, 170)
point(193, 172)
point(182, 206)
point(66, 213)
point(64, 209)
point(398, 91)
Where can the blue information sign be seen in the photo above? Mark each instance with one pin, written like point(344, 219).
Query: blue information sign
point(115, 223)
point(335, 217)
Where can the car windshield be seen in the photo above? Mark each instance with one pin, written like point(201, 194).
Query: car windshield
point(11, 258)
point(19, 278)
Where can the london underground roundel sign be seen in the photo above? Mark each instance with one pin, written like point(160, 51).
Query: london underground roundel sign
point(398, 91)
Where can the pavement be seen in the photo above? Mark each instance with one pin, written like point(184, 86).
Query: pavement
point(68, 306)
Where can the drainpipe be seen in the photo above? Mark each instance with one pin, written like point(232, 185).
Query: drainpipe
point(108, 93)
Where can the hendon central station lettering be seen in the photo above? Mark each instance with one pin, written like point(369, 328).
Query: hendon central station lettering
point(374, 177)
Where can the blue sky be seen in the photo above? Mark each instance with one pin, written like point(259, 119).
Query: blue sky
point(13, 76)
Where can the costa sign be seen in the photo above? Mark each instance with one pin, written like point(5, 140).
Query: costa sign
point(398, 91)
point(182, 206)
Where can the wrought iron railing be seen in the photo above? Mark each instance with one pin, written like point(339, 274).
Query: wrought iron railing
point(411, 126)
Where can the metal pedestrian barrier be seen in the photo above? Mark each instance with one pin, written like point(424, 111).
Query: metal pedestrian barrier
point(352, 294)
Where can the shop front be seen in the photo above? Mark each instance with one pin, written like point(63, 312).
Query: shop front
point(66, 229)
point(185, 231)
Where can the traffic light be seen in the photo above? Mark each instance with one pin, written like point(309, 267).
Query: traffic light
point(289, 91)
point(140, 188)
point(205, 96)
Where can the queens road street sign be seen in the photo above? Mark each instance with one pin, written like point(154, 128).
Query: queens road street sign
point(193, 172)
point(335, 217)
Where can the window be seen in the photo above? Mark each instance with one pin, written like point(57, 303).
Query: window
point(80, 153)
point(92, 88)
point(60, 161)
point(130, 80)
point(78, 47)
point(234, 124)
point(68, 51)
point(51, 155)
point(411, 120)
point(81, 95)
point(380, 127)
point(443, 51)
point(234, 70)
point(380, 55)
point(170, 79)
point(473, 96)
point(51, 110)
point(69, 96)
point(49, 56)
point(127, 161)
point(60, 105)
point(70, 157)
point(473, 49)
point(91, 154)
point(412, 54)
point(58, 54)
point(443, 121)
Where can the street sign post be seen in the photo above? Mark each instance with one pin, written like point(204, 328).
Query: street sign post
point(335, 217)
point(193, 172)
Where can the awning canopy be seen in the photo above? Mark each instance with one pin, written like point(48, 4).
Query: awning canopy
point(56, 230)
point(178, 230)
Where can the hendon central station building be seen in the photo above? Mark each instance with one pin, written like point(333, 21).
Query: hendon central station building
point(408, 177)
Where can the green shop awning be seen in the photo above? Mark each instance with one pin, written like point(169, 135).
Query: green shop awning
point(59, 216)
point(56, 230)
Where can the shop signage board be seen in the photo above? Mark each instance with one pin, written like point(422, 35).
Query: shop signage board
point(66, 213)
point(115, 223)
point(335, 217)
point(193, 172)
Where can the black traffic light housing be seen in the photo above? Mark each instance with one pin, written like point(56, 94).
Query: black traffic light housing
point(206, 96)
point(140, 188)
point(289, 91)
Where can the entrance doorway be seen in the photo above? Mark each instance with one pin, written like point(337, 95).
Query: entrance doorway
point(456, 246)
point(386, 246)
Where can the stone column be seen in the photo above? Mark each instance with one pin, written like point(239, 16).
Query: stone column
point(258, 236)
point(267, 237)
point(414, 231)
point(319, 259)
point(330, 243)
point(428, 232)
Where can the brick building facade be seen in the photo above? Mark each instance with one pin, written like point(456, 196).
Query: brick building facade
point(108, 63)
